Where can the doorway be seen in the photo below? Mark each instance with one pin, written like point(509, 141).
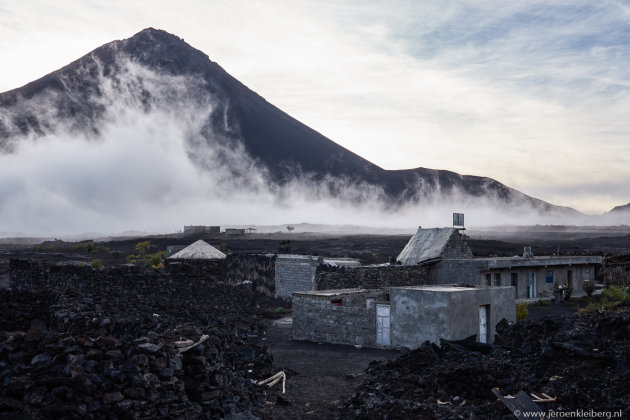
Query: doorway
point(484, 316)
point(514, 283)
point(382, 325)
point(531, 285)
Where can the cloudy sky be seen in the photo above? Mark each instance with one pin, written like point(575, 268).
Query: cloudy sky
point(532, 93)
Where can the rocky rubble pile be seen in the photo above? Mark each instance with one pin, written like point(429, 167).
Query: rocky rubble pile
point(106, 360)
point(583, 360)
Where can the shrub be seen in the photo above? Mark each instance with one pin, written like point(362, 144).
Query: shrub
point(116, 254)
point(131, 258)
point(153, 260)
point(97, 264)
point(615, 294)
point(102, 250)
point(141, 247)
point(589, 288)
point(521, 311)
point(89, 247)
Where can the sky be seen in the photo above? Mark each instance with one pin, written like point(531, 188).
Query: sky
point(534, 94)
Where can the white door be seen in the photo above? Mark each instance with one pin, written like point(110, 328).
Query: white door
point(483, 324)
point(382, 325)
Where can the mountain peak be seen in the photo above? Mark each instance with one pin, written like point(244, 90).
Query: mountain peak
point(163, 51)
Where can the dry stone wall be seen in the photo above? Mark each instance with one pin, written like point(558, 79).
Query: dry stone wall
point(372, 277)
point(21, 310)
point(257, 268)
point(109, 345)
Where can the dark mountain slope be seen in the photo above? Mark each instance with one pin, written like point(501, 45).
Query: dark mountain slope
point(75, 96)
point(620, 209)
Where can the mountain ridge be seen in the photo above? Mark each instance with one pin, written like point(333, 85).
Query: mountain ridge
point(620, 209)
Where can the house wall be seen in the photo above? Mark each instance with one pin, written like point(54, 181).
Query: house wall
point(543, 289)
point(418, 315)
point(211, 269)
point(294, 273)
point(456, 247)
point(315, 318)
point(465, 310)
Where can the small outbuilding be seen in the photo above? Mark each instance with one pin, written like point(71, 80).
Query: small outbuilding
point(198, 258)
point(401, 316)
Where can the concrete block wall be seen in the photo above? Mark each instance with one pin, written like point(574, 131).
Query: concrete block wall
point(354, 322)
point(294, 273)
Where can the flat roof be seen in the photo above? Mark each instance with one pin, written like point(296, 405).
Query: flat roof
point(437, 288)
point(298, 257)
point(334, 292)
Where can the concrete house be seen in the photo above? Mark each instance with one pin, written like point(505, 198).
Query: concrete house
point(446, 249)
point(532, 277)
point(401, 316)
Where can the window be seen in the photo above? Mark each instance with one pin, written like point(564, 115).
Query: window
point(488, 279)
point(549, 277)
point(497, 279)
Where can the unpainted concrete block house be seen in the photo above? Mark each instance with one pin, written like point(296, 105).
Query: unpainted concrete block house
point(401, 316)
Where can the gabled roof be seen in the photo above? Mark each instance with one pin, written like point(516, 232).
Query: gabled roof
point(426, 244)
point(199, 250)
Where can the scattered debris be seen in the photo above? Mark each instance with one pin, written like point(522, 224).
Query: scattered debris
point(274, 380)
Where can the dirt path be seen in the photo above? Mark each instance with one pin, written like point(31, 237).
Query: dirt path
point(320, 377)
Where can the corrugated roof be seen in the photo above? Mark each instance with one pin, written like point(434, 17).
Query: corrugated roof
point(199, 250)
point(426, 244)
